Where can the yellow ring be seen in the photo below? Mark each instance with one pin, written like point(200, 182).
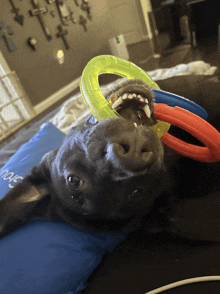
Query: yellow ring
point(93, 96)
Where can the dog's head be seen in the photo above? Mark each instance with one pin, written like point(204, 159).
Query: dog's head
point(105, 171)
point(112, 169)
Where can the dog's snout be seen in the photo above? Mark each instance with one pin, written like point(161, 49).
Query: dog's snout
point(132, 158)
point(126, 149)
point(133, 155)
point(133, 151)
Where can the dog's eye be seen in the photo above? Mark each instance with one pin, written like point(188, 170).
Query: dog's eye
point(74, 181)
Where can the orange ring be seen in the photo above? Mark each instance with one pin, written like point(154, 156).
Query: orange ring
point(194, 125)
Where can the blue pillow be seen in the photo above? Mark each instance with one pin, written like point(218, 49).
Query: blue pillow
point(46, 257)
point(19, 165)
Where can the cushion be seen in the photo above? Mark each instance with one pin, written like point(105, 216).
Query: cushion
point(46, 257)
point(48, 138)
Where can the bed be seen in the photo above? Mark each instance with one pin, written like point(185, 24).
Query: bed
point(137, 265)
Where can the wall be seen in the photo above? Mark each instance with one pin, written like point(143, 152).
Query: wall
point(38, 71)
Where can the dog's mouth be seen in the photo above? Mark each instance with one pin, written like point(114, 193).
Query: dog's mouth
point(134, 101)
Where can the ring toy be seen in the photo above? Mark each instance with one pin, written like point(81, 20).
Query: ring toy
point(176, 100)
point(197, 127)
point(90, 89)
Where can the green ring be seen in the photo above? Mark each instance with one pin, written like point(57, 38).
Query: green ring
point(90, 89)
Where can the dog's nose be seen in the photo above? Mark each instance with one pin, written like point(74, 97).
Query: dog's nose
point(133, 151)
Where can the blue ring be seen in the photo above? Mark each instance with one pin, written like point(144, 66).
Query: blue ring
point(175, 100)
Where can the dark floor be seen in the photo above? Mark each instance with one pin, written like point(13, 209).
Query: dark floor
point(182, 52)
point(171, 55)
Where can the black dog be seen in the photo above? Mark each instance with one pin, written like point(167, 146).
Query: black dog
point(115, 175)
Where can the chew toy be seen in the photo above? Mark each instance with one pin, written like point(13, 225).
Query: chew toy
point(165, 115)
point(194, 125)
point(93, 96)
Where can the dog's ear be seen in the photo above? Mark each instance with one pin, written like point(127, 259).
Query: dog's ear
point(198, 218)
point(29, 199)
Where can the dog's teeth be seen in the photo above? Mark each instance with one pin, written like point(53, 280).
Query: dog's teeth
point(138, 97)
point(135, 125)
point(146, 109)
point(117, 103)
point(125, 96)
